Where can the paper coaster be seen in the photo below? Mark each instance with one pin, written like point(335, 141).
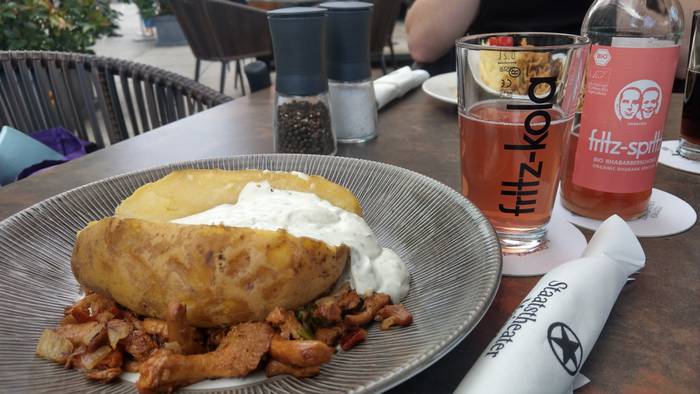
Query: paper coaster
point(667, 215)
point(669, 156)
point(564, 242)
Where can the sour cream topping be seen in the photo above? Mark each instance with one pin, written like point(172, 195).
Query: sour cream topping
point(260, 206)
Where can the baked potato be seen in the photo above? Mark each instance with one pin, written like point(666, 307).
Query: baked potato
point(186, 192)
point(224, 275)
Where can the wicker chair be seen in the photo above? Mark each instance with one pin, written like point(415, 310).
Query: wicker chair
point(102, 100)
point(224, 31)
point(242, 31)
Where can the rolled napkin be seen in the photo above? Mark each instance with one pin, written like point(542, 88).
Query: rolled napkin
point(543, 345)
point(397, 83)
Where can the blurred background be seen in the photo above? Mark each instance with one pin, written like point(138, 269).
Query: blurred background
point(174, 34)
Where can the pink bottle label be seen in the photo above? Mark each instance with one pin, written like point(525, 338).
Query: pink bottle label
point(627, 95)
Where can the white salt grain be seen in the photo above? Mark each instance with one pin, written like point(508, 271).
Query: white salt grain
point(353, 110)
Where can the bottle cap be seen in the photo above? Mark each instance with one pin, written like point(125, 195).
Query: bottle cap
point(298, 42)
point(347, 45)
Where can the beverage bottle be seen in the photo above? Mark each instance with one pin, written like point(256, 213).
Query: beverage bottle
point(610, 163)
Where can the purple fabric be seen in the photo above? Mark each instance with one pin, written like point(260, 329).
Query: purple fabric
point(63, 142)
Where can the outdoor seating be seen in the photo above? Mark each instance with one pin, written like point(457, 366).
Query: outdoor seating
point(223, 31)
point(402, 196)
point(384, 16)
point(102, 100)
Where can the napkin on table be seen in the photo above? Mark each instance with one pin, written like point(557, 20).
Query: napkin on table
point(543, 345)
point(397, 83)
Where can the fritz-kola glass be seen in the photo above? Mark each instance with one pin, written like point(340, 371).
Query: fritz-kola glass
point(518, 93)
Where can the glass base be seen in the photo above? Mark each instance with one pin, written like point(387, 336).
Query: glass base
point(624, 209)
point(356, 140)
point(519, 241)
point(689, 150)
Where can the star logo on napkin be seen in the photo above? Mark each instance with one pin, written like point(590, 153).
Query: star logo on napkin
point(566, 347)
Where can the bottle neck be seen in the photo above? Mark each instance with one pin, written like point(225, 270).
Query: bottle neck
point(649, 23)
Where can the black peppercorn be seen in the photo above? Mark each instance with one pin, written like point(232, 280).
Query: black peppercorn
point(304, 127)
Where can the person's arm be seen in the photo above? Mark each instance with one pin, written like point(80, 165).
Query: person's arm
point(434, 25)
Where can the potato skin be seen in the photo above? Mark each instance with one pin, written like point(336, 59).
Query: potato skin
point(186, 192)
point(224, 275)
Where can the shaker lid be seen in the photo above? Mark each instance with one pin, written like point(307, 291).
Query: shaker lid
point(296, 12)
point(350, 6)
point(347, 45)
point(298, 41)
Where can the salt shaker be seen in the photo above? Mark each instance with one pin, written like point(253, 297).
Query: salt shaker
point(349, 72)
point(302, 116)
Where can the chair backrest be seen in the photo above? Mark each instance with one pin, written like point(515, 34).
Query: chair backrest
point(192, 17)
point(384, 16)
point(100, 99)
point(241, 31)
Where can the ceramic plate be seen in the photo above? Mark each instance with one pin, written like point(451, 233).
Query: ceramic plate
point(442, 87)
point(451, 252)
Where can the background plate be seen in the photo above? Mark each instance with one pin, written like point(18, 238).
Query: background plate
point(442, 87)
point(451, 252)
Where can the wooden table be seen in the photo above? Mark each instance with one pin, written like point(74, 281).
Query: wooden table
point(651, 342)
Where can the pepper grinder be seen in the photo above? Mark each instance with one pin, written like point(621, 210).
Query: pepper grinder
point(349, 71)
point(302, 115)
